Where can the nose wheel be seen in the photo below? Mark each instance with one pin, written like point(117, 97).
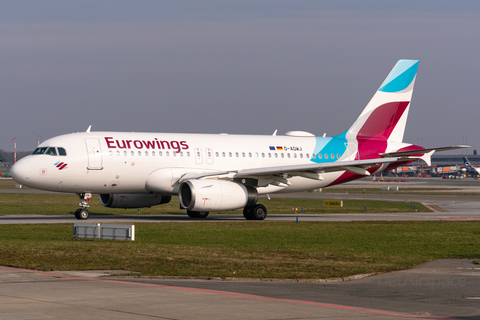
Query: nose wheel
point(82, 213)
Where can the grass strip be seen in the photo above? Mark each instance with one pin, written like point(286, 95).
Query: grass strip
point(59, 204)
point(245, 249)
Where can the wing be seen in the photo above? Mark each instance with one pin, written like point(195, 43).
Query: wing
point(314, 171)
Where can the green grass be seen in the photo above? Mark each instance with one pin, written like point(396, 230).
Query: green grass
point(56, 204)
point(8, 184)
point(245, 249)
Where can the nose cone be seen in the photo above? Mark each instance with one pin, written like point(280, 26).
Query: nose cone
point(21, 171)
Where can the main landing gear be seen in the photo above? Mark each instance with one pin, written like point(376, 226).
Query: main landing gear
point(257, 212)
point(197, 214)
point(82, 213)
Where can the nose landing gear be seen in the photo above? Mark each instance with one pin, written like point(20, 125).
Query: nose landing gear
point(82, 213)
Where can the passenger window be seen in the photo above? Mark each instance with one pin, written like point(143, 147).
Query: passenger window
point(282, 155)
point(153, 153)
point(160, 153)
point(132, 153)
point(62, 152)
point(124, 153)
point(139, 153)
point(332, 156)
point(118, 153)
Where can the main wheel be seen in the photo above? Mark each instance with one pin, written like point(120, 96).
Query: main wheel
point(82, 214)
point(247, 213)
point(258, 212)
point(197, 214)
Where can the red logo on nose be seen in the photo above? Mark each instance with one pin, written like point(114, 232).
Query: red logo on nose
point(60, 165)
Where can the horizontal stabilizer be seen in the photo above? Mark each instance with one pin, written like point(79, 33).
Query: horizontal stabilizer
point(421, 151)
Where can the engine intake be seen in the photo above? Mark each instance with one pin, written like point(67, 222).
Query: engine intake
point(129, 201)
point(216, 195)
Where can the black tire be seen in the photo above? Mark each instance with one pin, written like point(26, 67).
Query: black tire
point(247, 213)
point(258, 212)
point(197, 214)
point(82, 214)
point(76, 214)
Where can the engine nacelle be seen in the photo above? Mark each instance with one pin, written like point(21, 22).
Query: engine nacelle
point(215, 195)
point(133, 200)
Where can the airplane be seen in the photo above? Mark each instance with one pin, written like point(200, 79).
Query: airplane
point(469, 168)
point(220, 172)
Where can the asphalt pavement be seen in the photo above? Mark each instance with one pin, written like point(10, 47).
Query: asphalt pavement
point(442, 289)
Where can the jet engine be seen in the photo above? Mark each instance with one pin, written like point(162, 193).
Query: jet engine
point(133, 200)
point(216, 195)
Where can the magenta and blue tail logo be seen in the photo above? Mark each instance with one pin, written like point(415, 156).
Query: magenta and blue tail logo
point(60, 165)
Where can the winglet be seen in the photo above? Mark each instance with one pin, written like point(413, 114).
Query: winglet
point(427, 157)
point(89, 127)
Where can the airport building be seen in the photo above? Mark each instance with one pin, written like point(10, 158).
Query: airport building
point(445, 165)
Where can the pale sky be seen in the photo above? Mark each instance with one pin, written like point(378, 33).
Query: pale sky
point(240, 67)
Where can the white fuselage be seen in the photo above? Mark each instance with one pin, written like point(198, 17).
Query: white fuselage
point(121, 162)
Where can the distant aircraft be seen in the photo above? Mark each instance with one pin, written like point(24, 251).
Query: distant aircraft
point(226, 172)
point(469, 168)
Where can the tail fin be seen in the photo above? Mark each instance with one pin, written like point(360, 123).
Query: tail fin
point(383, 120)
point(467, 163)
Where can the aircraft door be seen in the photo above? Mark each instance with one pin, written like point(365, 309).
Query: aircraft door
point(94, 154)
point(209, 155)
point(198, 156)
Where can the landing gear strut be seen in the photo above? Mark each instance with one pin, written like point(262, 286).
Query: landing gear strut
point(257, 212)
point(82, 213)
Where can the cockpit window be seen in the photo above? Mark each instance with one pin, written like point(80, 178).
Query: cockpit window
point(40, 150)
point(52, 151)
